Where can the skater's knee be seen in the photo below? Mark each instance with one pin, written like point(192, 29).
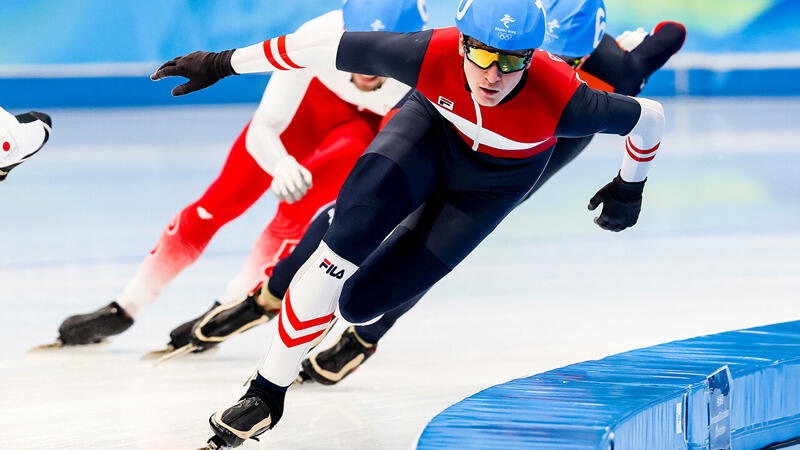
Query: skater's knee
point(362, 304)
point(354, 313)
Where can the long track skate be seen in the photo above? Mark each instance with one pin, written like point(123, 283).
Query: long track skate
point(214, 443)
point(91, 328)
point(217, 325)
point(168, 354)
point(58, 344)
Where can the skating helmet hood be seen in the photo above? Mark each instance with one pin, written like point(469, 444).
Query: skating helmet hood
point(574, 27)
point(503, 24)
point(402, 16)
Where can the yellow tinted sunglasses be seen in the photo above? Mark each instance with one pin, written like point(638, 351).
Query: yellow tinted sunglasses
point(507, 63)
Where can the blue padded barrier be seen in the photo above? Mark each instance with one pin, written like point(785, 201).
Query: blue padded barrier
point(739, 389)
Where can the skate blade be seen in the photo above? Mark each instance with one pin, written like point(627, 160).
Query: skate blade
point(188, 348)
point(59, 344)
point(214, 443)
point(301, 380)
point(155, 354)
point(52, 345)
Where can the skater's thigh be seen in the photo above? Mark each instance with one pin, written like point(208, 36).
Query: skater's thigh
point(329, 167)
point(456, 222)
point(422, 250)
point(399, 170)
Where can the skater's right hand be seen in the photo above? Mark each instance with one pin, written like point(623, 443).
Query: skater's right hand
point(201, 68)
point(290, 180)
point(631, 39)
point(622, 203)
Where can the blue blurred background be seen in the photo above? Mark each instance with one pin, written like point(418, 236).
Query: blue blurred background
point(96, 53)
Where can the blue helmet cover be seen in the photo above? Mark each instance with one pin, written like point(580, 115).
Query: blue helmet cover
point(503, 24)
point(574, 27)
point(403, 16)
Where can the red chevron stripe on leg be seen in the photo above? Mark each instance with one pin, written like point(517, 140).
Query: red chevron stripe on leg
point(291, 342)
point(642, 152)
point(298, 324)
point(632, 148)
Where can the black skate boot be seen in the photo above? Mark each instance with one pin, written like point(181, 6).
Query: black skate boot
point(330, 366)
point(233, 318)
point(95, 326)
point(178, 337)
point(259, 409)
point(218, 324)
point(182, 334)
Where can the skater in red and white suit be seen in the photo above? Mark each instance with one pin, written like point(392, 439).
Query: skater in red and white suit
point(302, 141)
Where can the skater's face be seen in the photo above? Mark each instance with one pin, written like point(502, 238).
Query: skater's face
point(367, 83)
point(489, 86)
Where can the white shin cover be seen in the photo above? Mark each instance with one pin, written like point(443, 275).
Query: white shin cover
point(307, 310)
point(643, 141)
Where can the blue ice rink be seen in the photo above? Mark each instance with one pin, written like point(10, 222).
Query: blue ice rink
point(717, 248)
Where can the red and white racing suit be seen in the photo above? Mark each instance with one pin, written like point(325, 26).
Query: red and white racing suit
point(317, 116)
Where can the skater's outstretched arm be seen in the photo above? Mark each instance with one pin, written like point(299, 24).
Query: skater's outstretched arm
point(387, 54)
point(591, 111)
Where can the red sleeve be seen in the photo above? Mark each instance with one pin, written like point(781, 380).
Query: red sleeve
point(388, 117)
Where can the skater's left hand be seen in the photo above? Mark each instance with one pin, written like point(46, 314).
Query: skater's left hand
point(622, 202)
point(201, 68)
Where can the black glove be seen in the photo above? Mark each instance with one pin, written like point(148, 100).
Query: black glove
point(659, 47)
point(201, 68)
point(622, 202)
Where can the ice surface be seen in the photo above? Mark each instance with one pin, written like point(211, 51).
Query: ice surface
point(717, 248)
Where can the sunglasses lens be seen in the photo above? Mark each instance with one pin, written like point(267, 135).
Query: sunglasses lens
point(510, 63)
point(484, 58)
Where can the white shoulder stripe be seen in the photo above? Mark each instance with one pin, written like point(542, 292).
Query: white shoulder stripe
point(486, 137)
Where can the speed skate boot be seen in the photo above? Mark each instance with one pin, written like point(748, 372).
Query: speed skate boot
point(330, 366)
point(178, 337)
point(218, 324)
point(259, 409)
point(233, 318)
point(95, 326)
point(181, 334)
point(20, 137)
